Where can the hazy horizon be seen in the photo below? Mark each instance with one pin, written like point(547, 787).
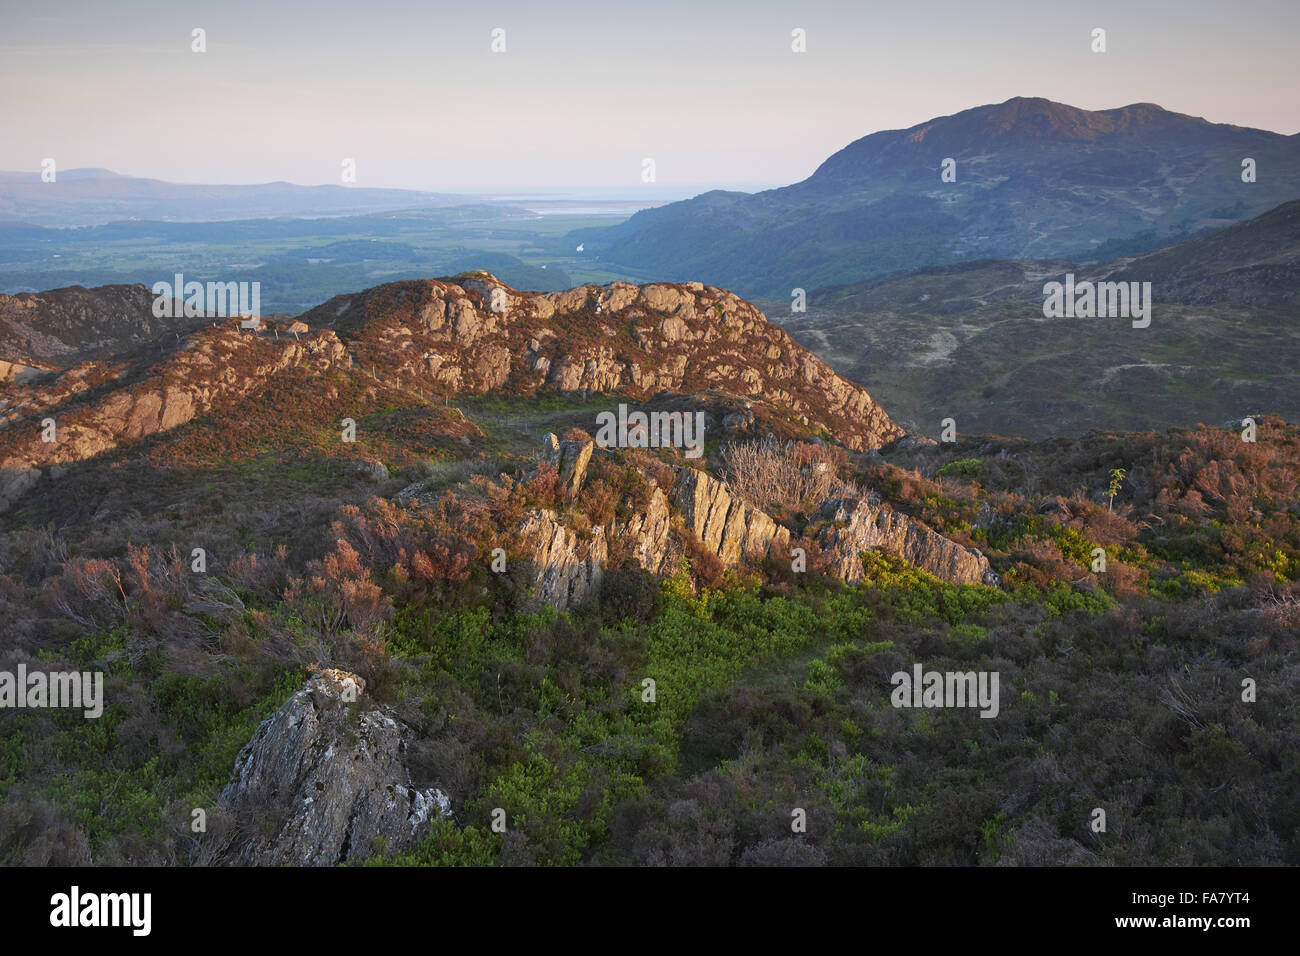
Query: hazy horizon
point(612, 192)
point(584, 91)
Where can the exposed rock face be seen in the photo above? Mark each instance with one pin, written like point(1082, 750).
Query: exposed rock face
point(568, 569)
point(858, 525)
point(646, 532)
point(727, 526)
point(21, 373)
point(323, 777)
point(620, 338)
point(570, 459)
point(16, 478)
point(213, 365)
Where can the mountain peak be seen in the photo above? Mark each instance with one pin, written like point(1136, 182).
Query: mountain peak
point(1034, 117)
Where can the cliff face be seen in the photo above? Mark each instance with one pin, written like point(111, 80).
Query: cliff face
point(568, 569)
point(725, 525)
point(323, 777)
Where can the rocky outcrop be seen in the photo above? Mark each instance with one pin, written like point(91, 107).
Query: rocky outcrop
point(374, 470)
point(323, 777)
point(566, 569)
point(63, 326)
point(857, 525)
point(570, 459)
point(646, 533)
point(724, 524)
point(214, 365)
point(474, 333)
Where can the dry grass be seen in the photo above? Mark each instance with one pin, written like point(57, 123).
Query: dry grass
point(787, 476)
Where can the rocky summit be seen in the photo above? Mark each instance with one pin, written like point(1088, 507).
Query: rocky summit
point(476, 334)
point(439, 338)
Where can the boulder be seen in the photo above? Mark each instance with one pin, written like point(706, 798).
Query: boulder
point(570, 459)
point(325, 776)
point(374, 470)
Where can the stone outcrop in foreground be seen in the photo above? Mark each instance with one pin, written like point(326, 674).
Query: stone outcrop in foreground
point(323, 777)
point(568, 569)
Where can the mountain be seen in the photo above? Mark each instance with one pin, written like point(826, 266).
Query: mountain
point(1034, 179)
point(87, 197)
point(970, 341)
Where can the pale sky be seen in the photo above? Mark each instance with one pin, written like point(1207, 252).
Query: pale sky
point(586, 90)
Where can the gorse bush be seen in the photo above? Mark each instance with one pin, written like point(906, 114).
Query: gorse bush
point(963, 468)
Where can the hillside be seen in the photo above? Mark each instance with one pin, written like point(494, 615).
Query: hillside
point(969, 341)
point(1034, 179)
point(356, 651)
point(433, 338)
point(1254, 263)
point(63, 326)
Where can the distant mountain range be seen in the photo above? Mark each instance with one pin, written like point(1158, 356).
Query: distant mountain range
point(88, 197)
point(970, 341)
point(1034, 179)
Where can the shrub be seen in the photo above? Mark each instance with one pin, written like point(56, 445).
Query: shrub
point(785, 477)
point(962, 468)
